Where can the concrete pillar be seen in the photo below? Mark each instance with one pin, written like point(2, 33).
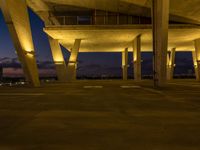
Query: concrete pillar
point(16, 17)
point(125, 64)
point(137, 58)
point(58, 58)
point(196, 59)
point(59, 61)
point(72, 64)
point(171, 64)
point(160, 9)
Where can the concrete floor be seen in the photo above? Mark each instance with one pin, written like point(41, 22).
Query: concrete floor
point(76, 116)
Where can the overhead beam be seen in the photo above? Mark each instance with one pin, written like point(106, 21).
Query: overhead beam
point(43, 11)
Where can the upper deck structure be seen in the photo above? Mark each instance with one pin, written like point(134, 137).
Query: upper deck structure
point(161, 26)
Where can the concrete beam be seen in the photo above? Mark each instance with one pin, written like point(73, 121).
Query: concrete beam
point(72, 64)
point(48, 18)
point(171, 64)
point(118, 37)
point(17, 19)
point(137, 58)
point(196, 59)
point(125, 64)
point(43, 11)
point(59, 61)
point(160, 9)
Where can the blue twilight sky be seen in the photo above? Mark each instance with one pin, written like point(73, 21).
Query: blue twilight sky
point(89, 63)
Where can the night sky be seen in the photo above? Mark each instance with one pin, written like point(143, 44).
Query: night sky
point(90, 64)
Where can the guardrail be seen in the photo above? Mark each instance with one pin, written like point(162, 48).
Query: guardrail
point(100, 20)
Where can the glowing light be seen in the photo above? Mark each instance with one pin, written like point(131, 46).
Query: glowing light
point(59, 62)
point(72, 63)
point(195, 64)
point(30, 53)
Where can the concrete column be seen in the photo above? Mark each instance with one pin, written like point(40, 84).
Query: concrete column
point(160, 9)
point(125, 64)
point(137, 58)
point(72, 64)
point(171, 64)
point(196, 59)
point(16, 17)
point(59, 61)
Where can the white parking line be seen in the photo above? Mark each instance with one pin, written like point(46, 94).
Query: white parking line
point(21, 94)
point(153, 90)
point(93, 87)
point(187, 85)
point(130, 87)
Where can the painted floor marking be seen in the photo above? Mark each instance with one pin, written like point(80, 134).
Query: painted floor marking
point(153, 90)
point(130, 87)
point(21, 94)
point(187, 85)
point(93, 87)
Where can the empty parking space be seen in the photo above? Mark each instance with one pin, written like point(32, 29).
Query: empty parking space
point(100, 115)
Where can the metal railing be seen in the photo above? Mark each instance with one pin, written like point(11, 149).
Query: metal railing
point(73, 20)
point(100, 20)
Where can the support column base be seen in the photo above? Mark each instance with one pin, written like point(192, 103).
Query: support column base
point(61, 71)
point(125, 73)
point(71, 71)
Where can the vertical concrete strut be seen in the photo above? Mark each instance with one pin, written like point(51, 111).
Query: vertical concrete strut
point(160, 15)
point(59, 61)
point(125, 64)
point(16, 17)
point(72, 64)
point(171, 64)
point(58, 58)
point(137, 58)
point(196, 59)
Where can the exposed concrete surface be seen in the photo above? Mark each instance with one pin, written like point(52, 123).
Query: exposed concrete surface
point(72, 63)
point(137, 58)
point(59, 60)
point(18, 24)
point(171, 64)
point(185, 8)
point(116, 38)
point(69, 116)
point(160, 23)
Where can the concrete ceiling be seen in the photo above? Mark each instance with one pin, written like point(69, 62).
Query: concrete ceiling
point(107, 38)
point(115, 39)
